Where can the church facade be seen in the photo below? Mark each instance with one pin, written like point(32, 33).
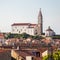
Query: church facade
point(29, 28)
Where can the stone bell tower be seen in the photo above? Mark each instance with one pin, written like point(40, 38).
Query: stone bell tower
point(40, 23)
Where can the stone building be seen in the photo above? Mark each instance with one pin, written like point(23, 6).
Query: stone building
point(40, 23)
point(5, 54)
point(29, 28)
point(23, 28)
point(49, 32)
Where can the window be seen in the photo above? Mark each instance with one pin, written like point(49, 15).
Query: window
point(12, 29)
point(32, 58)
point(25, 30)
point(15, 27)
point(19, 31)
point(31, 31)
point(23, 27)
point(35, 33)
point(37, 54)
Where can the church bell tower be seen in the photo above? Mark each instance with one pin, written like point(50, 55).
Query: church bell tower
point(40, 23)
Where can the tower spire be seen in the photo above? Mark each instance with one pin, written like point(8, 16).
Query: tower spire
point(40, 13)
point(40, 22)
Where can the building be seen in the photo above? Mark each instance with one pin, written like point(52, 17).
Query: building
point(28, 54)
point(40, 23)
point(23, 28)
point(29, 28)
point(49, 32)
point(5, 54)
point(2, 40)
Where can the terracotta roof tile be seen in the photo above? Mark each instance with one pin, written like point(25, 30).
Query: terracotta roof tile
point(17, 24)
point(1, 35)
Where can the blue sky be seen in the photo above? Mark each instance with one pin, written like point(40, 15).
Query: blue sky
point(15, 11)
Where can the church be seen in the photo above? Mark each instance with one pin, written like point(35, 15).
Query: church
point(29, 28)
point(32, 29)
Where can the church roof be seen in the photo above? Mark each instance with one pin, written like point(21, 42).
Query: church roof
point(18, 24)
point(49, 29)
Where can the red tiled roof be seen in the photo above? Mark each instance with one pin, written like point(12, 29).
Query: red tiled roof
point(17, 24)
point(3, 50)
point(30, 27)
point(5, 54)
point(23, 53)
point(1, 35)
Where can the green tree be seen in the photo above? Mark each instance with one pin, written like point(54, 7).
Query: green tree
point(24, 35)
point(37, 37)
point(56, 37)
point(56, 56)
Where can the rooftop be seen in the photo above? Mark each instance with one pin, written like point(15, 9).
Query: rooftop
point(17, 24)
point(49, 29)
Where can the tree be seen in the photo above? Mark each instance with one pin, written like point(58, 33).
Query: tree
point(56, 56)
point(56, 37)
point(24, 35)
point(37, 37)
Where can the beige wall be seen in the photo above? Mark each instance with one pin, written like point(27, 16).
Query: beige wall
point(28, 57)
point(15, 55)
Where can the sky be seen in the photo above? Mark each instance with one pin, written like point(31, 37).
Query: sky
point(22, 11)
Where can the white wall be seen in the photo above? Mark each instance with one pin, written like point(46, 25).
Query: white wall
point(21, 29)
point(28, 57)
point(49, 33)
point(45, 53)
